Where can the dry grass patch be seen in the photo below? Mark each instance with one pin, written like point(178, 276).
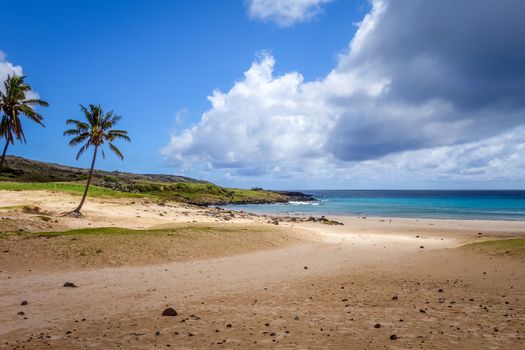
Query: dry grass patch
point(108, 246)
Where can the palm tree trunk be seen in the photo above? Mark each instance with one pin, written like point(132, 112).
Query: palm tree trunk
point(77, 210)
point(3, 155)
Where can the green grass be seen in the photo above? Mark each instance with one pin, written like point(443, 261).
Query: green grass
point(200, 193)
point(513, 246)
point(11, 207)
point(194, 193)
point(182, 230)
point(76, 189)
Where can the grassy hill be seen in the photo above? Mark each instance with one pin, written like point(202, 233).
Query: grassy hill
point(25, 174)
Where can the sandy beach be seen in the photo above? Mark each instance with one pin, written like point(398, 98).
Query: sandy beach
point(237, 281)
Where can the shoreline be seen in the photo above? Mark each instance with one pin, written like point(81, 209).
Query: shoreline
point(238, 207)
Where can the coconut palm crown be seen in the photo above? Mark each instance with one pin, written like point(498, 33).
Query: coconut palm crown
point(95, 131)
point(14, 102)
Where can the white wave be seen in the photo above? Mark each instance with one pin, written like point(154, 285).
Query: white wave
point(302, 203)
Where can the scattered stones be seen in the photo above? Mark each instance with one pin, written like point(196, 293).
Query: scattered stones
point(325, 221)
point(169, 312)
point(69, 285)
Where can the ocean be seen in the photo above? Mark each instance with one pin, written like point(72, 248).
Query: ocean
point(438, 204)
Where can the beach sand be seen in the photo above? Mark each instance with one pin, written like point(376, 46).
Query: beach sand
point(238, 282)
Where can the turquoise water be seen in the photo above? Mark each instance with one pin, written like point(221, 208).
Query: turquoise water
point(484, 205)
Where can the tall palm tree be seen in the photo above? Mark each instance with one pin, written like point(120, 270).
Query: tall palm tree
point(95, 131)
point(13, 103)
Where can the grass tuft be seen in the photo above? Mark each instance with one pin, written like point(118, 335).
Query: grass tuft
point(513, 246)
point(75, 189)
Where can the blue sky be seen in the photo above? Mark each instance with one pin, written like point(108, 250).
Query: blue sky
point(147, 60)
point(414, 100)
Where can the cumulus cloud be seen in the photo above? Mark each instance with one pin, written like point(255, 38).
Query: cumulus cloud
point(431, 80)
point(285, 12)
point(7, 68)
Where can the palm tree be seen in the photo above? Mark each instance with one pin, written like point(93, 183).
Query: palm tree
point(14, 102)
point(95, 131)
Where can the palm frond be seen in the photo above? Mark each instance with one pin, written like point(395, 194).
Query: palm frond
point(13, 103)
point(96, 130)
point(78, 139)
point(36, 102)
point(116, 150)
point(31, 114)
point(78, 124)
point(118, 134)
point(72, 132)
point(82, 150)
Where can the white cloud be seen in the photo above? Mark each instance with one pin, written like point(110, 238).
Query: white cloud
point(7, 68)
point(285, 12)
point(414, 98)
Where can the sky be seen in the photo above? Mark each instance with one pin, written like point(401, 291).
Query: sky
point(283, 94)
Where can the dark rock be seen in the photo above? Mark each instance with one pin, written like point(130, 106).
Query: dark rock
point(393, 337)
point(377, 325)
point(24, 302)
point(421, 247)
point(69, 285)
point(169, 312)
point(440, 290)
point(306, 267)
point(229, 325)
point(157, 333)
point(21, 313)
point(395, 297)
point(422, 311)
